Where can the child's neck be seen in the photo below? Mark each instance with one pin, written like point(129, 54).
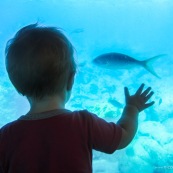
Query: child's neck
point(46, 104)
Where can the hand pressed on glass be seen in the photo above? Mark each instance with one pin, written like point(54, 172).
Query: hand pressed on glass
point(140, 98)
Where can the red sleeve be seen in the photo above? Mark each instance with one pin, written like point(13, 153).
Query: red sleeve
point(105, 136)
point(1, 151)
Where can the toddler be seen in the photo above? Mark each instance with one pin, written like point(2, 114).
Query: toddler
point(50, 138)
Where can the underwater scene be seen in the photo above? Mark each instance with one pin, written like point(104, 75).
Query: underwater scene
point(118, 43)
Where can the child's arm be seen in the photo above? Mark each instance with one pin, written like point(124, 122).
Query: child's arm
point(129, 119)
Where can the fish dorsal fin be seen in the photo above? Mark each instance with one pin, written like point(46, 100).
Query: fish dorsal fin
point(147, 64)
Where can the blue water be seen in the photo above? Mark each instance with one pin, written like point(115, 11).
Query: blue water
point(138, 28)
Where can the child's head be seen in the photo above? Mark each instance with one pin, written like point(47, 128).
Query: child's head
point(39, 61)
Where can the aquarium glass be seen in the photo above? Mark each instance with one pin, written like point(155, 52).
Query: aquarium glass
point(141, 29)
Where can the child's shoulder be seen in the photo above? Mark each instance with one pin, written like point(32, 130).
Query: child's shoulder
point(84, 112)
point(7, 128)
point(85, 115)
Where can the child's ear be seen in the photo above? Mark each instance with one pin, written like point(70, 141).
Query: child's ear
point(70, 82)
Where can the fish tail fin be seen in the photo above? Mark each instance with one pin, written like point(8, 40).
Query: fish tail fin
point(147, 64)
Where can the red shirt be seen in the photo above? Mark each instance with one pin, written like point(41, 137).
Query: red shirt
point(58, 141)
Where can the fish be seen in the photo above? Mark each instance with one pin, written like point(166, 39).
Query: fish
point(160, 101)
point(115, 61)
point(77, 31)
point(115, 103)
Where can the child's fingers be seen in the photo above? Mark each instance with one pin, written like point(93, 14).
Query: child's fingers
point(149, 96)
point(126, 92)
point(139, 91)
point(146, 92)
point(149, 104)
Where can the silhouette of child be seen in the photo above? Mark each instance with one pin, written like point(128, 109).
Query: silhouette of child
point(50, 138)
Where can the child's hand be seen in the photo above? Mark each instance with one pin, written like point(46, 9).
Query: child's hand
point(140, 98)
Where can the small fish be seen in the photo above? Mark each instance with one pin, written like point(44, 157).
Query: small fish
point(121, 61)
point(115, 103)
point(160, 101)
point(78, 30)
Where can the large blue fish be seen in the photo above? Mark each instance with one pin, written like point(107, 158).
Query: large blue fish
point(121, 61)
